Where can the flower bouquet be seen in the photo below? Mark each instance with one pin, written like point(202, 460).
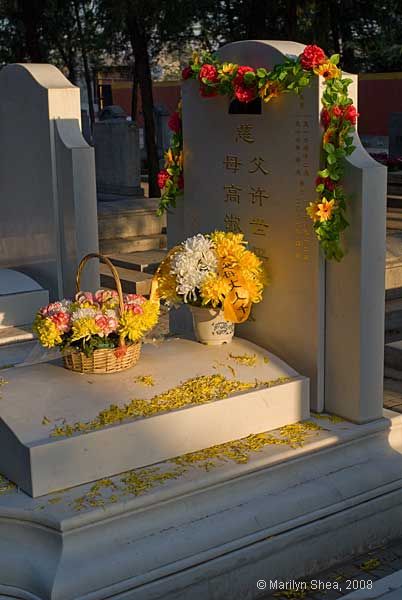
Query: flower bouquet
point(100, 332)
point(218, 277)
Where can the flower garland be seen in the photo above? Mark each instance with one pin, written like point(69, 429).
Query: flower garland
point(338, 119)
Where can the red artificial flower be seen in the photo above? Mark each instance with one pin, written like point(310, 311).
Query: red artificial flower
point(337, 112)
point(163, 178)
point(208, 72)
point(180, 181)
point(325, 118)
point(174, 122)
point(241, 71)
point(311, 57)
point(187, 72)
point(245, 94)
point(351, 114)
point(328, 183)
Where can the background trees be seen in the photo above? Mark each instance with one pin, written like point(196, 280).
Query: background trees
point(81, 35)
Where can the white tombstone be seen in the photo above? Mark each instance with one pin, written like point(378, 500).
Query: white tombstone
point(256, 173)
point(47, 179)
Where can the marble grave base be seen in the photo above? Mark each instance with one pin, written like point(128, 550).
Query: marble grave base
point(41, 397)
point(210, 534)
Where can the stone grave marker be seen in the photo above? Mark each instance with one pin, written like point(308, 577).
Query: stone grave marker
point(255, 173)
point(395, 135)
point(47, 179)
point(117, 152)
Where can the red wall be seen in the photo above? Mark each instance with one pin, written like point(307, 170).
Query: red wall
point(379, 95)
point(166, 94)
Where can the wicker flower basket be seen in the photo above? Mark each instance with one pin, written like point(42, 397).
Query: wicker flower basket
point(103, 360)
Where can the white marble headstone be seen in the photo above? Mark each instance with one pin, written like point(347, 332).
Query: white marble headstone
point(47, 179)
point(256, 173)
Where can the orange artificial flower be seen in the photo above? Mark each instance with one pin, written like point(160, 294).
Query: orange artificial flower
point(328, 70)
point(271, 89)
point(325, 209)
point(327, 137)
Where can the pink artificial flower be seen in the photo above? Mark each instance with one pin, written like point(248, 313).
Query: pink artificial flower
point(62, 321)
point(102, 296)
point(82, 297)
point(106, 324)
point(135, 308)
point(134, 298)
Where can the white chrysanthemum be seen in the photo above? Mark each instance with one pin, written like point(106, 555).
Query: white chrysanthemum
point(85, 313)
point(192, 264)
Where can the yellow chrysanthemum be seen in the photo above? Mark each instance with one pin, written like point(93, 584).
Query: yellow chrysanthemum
point(312, 211)
point(254, 287)
point(328, 70)
point(134, 326)
point(249, 263)
point(84, 328)
point(229, 247)
point(47, 332)
point(325, 209)
point(166, 282)
point(214, 289)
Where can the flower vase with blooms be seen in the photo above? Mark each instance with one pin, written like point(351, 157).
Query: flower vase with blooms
point(97, 333)
point(218, 277)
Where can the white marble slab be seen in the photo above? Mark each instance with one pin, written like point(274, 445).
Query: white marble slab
point(40, 463)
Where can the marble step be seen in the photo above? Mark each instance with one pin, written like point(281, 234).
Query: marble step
point(129, 217)
point(146, 261)
point(138, 243)
point(393, 319)
point(133, 282)
point(393, 360)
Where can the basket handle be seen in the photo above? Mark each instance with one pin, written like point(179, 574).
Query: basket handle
point(112, 269)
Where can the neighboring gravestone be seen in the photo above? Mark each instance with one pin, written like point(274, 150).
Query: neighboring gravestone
point(86, 127)
point(117, 153)
point(255, 173)
point(47, 183)
point(395, 135)
point(163, 133)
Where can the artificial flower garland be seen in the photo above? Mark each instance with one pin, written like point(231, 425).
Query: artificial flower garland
point(338, 119)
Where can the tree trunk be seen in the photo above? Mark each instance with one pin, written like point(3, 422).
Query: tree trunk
point(257, 16)
point(87, 73)
point(141, 57)
point(291, 19)
point(134, 93)
point(31, 14)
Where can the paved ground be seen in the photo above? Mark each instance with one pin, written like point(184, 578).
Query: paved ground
point(362, 572)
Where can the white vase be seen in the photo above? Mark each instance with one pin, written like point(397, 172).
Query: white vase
point(211, 327)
